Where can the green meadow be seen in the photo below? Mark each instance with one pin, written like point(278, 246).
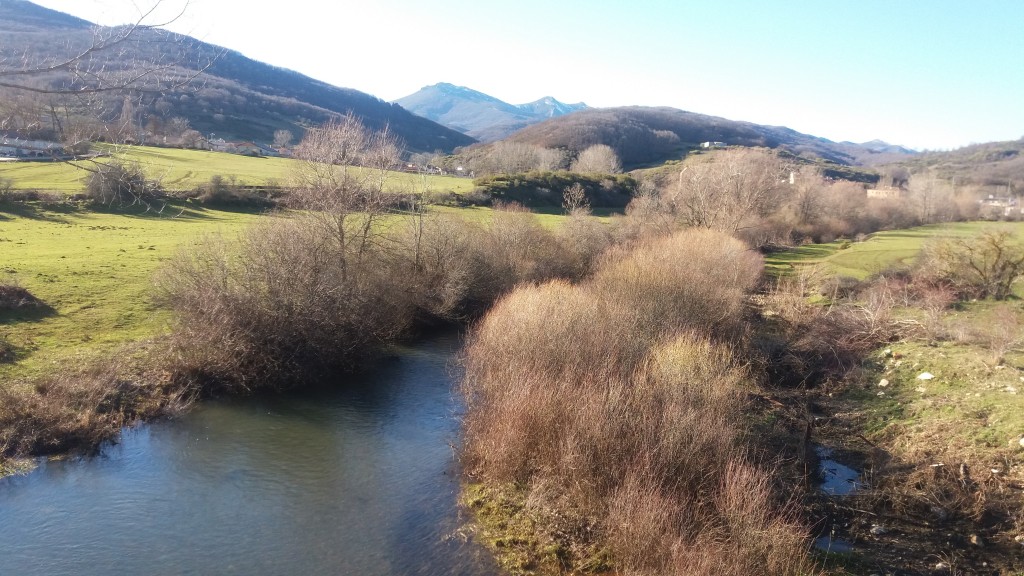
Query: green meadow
point(881, 251)
point(93, 270)
point(179, 169)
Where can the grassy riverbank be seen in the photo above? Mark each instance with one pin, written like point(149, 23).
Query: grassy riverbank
point(102, 345)
point(933, 418)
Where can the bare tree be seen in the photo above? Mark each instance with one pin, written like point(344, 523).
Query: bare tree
point(283, 138)
point(342, 179)
point(985, 266)
point(574, 199)
point(599, 158)
point(808, 195)
point(730, 191)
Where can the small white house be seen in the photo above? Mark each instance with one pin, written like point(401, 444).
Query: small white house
point(20, 148)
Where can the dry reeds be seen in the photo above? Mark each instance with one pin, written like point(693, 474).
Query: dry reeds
point(79, 408)
point(618, 402)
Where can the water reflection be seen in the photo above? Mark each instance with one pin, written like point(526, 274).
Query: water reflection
point(353, 480)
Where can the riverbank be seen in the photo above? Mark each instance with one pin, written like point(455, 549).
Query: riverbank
point(354, 476)
point(931, 419)
point(108, 347)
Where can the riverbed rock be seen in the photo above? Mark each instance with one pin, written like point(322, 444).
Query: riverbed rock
point(1021, 442)
point(925, 376)
point(878, 530)
point(883, 382)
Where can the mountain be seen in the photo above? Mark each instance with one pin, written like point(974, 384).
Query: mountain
point(651, 135)
point(479, 115)
point(232, 96)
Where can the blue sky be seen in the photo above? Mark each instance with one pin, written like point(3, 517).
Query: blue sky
point(931, 74)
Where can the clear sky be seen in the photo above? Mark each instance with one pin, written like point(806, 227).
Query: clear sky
point(933, 74)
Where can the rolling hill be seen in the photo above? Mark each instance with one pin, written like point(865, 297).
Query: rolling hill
point(479, 115)
point(651, 135)
point(989, 164)
point(232, 95)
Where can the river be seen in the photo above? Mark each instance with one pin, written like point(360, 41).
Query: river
point(359, 478)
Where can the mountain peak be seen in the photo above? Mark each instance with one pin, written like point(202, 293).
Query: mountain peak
point(480, 115)
point(549, 107)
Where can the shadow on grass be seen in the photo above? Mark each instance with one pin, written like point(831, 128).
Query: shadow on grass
point(33, 313)
point(172, 208)
point(44, 211)
point(601, 212)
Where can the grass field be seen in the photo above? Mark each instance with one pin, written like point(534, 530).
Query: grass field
point(185, 169)
point(883, 250)
point(93, 270)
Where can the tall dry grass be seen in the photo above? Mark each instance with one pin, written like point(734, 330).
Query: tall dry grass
point(619, 401)
point(77, 408)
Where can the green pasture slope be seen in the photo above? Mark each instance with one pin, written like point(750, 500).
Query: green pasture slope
point(185, 169)
point(881, 251)
point(94, 270)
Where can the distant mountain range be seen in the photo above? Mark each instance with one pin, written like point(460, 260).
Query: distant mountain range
point(235, 97)
point(238, 98)
point(479, 115)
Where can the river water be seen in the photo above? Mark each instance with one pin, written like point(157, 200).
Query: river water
point(354, 479)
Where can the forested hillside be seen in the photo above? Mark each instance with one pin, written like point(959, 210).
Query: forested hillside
point(231, 95)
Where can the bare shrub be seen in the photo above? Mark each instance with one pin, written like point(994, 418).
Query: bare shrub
point(438, 253)
point(7, 351)
point(289, 298)
point(582, 241)
point(985, 266)
point(753, 533)
point(934, 300)
point(1002, 333)
point(325, 290)
point(120, 184)
point(15, 297)
point(696, 279)
point(221, 191)
point(6, 189)
point(822, 341)
point(610, 398)
point(79, 408)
